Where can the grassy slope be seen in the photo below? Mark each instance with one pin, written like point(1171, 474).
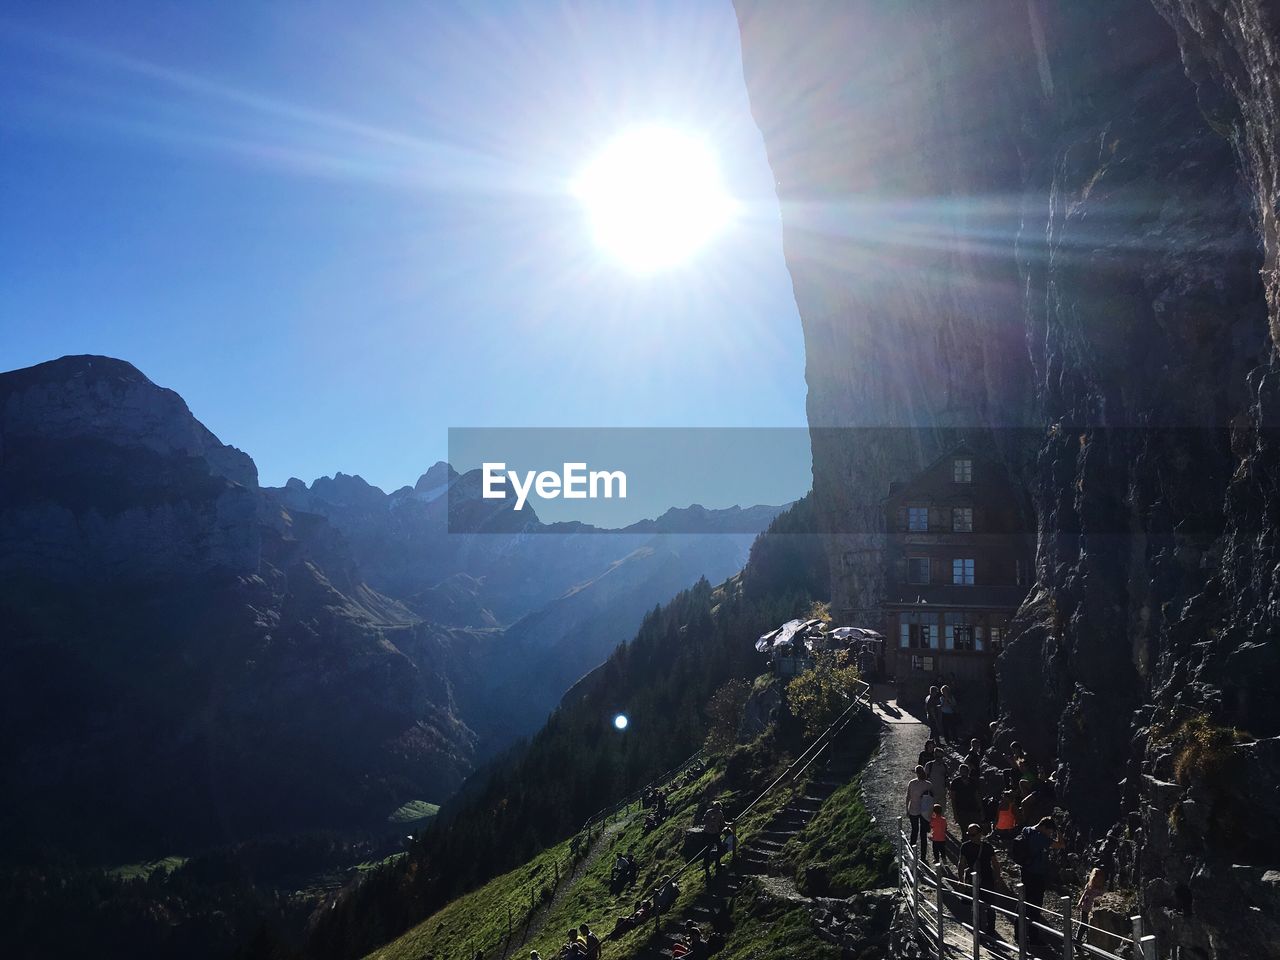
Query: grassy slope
point(840, 838)
point(479, 919)
point(839, 852)
point(841, 842)
point(413, 811)
point(134, 871)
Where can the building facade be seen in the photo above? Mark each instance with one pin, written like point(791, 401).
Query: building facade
point(957, 566)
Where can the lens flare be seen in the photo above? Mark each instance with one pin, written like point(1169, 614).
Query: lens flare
point(654, 197)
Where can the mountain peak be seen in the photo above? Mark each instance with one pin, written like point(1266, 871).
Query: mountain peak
point(111, 400)
point(440, 475)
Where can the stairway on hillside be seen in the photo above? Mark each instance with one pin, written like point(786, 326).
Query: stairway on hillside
point(758, 853)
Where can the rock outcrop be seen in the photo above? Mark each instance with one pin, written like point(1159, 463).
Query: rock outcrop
point(1049, 226)
point(104, 475)
point(185, 660)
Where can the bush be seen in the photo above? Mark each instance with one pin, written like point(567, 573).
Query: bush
point(820, 695)
point(1203, 750)
point(724, 715)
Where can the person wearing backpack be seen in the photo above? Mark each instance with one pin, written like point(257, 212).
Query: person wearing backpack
point(977, 854)
point(1030, 850)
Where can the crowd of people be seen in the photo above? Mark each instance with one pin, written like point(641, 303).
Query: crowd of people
point(582, 944)
point(1002, 805)
point(654, 906)
point(655, 801)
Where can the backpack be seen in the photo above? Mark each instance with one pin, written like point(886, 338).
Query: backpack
point(1020, 850)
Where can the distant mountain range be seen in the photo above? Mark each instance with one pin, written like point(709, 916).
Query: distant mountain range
point(193, 658)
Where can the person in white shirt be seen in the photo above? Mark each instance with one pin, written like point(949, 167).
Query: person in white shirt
point(919, 807)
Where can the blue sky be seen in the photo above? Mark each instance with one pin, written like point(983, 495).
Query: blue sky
point(340, 229)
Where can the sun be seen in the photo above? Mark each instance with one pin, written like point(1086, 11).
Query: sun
point(654, 197)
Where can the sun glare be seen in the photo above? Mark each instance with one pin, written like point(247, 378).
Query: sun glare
point(654, 197)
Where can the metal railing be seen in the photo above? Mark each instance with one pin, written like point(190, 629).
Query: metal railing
point(800, 764)
point(662, 779)
point(930, 896)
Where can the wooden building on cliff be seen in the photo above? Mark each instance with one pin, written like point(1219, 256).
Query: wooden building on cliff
point(957, 566)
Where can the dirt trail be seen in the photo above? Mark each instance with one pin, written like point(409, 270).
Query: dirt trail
point(598, 846)
point(885, 779)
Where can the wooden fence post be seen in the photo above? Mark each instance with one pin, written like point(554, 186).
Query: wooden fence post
point(937, 887)
point(977, 913)
point(1022, 922)
point(915, 889)
point(1067, 945)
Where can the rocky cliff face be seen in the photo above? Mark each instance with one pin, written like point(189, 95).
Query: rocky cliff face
point(105, 475)
point(208, 659)
point(185, 661)
point(1050, 226)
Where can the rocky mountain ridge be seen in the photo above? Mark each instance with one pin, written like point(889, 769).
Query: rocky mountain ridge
point(210, 660)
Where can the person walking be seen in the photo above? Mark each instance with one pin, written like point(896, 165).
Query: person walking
point(966, 806)
point(977, 854)
point(926, 755)
point(917, 790)
point(938, 834)
point(1033, 857)
point(1094, 887)
point(932, 712)
point(949, 712)
point(936, 771)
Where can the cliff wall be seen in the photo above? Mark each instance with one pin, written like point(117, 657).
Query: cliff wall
point(1050, 226)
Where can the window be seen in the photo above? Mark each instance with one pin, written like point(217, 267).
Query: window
point(918, 631)
point(997, 639)
point(962, 470)
point(917, 570)
point(962, 519)
point(962, 572)
point(917, 518)
point(922, 663)
point(959, 632)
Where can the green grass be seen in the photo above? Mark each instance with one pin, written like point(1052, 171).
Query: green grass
point(142, 871)
point(413, 811)
point(839, 853)
point(767, 929)
point(366, 865)
point(478, 920)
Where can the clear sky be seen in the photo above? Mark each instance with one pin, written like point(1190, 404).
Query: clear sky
point(339, 229)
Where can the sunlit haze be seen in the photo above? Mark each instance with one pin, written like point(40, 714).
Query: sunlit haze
point(345, 229)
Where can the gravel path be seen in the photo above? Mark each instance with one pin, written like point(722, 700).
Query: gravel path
point(885, 779)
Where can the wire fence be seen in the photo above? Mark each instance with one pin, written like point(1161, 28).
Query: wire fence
point(955, 918)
